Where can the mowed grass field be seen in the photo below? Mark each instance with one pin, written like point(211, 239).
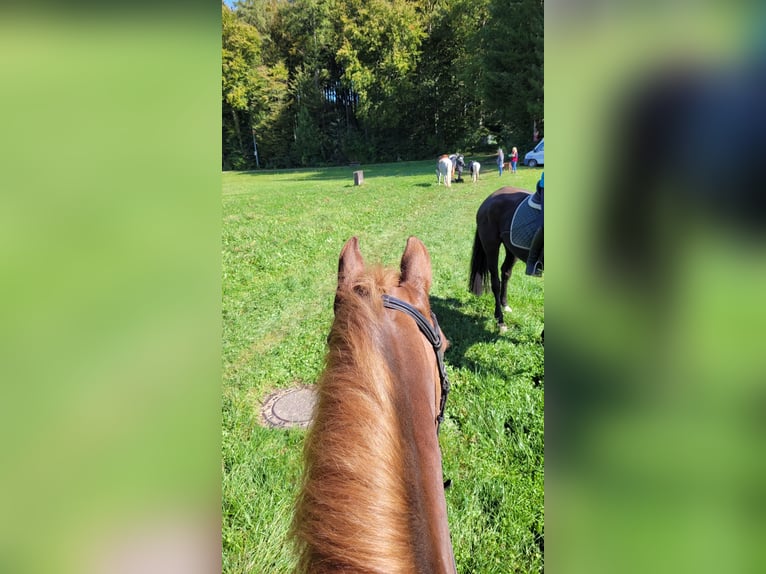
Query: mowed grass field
point(282, 234)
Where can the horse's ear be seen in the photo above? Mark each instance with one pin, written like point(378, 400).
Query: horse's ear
point(416, 265)
point(350, 263)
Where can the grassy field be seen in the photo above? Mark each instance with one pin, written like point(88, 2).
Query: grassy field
point(282, 234)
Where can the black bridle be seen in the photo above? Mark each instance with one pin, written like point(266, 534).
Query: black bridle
point(433, 335)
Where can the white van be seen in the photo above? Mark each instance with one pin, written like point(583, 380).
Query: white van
point(536, 156)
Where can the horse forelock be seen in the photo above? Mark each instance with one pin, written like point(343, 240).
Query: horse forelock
point(352, 511)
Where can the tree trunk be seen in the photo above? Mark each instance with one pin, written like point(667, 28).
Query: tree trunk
point(239, 132)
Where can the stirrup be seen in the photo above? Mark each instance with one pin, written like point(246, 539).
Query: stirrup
point(537, 270)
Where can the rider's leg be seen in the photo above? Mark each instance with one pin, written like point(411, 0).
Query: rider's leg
point(534, 265)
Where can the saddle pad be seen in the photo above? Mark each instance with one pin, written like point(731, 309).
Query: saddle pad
point(524, 224)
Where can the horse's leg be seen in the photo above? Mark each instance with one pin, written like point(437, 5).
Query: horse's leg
point(493, 252)
point(505, 275)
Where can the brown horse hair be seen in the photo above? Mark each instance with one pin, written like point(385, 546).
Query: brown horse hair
point(352, 513)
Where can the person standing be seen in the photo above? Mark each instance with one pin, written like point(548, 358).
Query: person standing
point(500, 160)
point(514, 159)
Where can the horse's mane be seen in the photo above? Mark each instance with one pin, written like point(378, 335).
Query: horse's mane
point(352, 511)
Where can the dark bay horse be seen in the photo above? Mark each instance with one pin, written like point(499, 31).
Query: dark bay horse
point(493, 225)
point(372, 495)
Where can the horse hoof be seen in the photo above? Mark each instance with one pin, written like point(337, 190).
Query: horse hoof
point(507, 309)
point(503, 327)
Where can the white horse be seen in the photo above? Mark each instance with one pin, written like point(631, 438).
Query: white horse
point(444, 169)
point(474, 167)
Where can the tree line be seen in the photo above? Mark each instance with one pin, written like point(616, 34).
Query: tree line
point(328, 82)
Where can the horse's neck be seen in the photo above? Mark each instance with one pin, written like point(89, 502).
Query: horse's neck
point(428, 482)
point(425, 481)
point(375, 494)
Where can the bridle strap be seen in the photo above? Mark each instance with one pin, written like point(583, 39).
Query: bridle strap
point(432, 333)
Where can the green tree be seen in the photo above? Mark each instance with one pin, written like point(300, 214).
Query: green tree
point(254, 95)
point(258, 13)
point(513, 58)
point(262, 14)
point(307, 138)
point(270, 115)
point(449, 77)
point(304, 32)
point(240, 55)
point(305, 37)
point(378, 54)
point(318, 81)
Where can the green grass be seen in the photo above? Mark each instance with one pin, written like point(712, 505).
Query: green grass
point(282, 234)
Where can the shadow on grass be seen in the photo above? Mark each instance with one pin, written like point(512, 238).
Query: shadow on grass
point(462, 330)
point(329, 173)
point(304, 173)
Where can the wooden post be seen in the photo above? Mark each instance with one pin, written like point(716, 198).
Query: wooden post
point(358, 177)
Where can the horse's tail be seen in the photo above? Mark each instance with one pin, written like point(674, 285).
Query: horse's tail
point(479, 268)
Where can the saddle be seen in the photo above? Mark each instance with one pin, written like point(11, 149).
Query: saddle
point(526, 220)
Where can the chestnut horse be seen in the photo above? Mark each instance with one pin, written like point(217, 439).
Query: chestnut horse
point(493, 229)
point(372, 495)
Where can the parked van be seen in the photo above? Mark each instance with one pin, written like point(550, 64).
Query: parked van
point(536, 156)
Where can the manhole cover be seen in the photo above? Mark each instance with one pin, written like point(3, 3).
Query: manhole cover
point(289, 408)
